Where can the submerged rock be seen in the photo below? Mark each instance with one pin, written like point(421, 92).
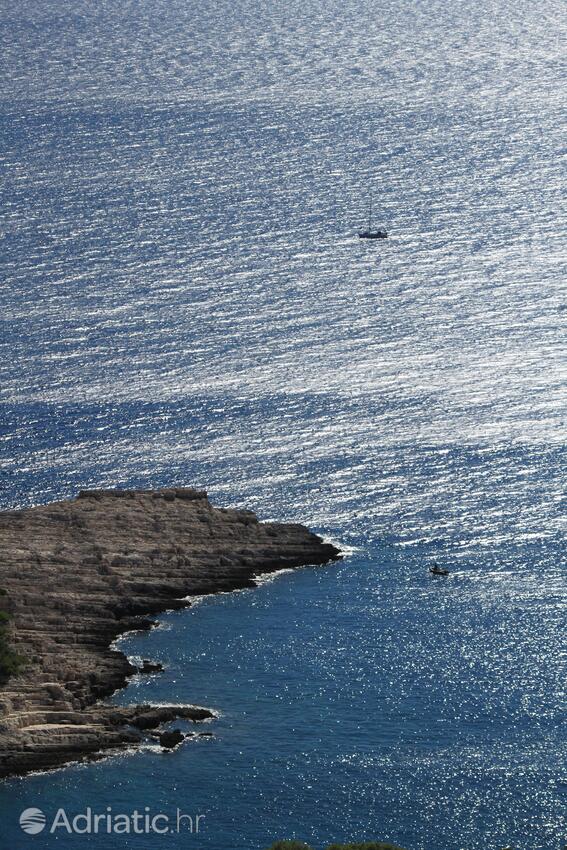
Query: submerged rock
point(172, 739)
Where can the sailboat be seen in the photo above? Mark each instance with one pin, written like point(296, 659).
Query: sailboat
point(369, 233)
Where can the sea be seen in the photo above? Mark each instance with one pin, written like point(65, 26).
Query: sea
point(185, 301)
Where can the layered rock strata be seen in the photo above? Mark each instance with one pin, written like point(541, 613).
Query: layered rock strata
point(77, 574)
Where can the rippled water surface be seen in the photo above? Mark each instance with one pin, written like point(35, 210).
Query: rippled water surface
point(184, 300)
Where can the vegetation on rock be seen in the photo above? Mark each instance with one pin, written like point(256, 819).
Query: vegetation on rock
point(368, 845)
point(289, 845)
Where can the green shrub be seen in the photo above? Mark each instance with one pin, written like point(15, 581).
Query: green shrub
point(289, 845)
point(368, 845)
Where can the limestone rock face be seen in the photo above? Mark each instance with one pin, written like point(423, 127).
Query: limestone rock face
point(79, 573)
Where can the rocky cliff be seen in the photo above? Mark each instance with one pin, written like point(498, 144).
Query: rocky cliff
point(77, 574)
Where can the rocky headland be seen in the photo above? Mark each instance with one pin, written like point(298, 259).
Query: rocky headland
point(75, 575)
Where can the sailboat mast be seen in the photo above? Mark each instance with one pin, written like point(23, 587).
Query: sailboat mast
point(374, 234)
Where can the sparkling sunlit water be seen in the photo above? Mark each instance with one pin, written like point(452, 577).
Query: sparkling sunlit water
point(184, 301)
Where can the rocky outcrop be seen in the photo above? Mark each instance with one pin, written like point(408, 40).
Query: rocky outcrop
point(171, 740)
point(150, 666)
point(79, 573)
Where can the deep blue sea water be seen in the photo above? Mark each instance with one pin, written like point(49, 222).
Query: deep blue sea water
point(184, 301)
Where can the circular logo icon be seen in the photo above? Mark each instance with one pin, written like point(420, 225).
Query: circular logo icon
point(32, 821)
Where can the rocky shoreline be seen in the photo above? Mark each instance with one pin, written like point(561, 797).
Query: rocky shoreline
point(77, 574)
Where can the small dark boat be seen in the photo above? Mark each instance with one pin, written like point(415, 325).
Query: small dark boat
point(369, 233)
point(436, 570)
